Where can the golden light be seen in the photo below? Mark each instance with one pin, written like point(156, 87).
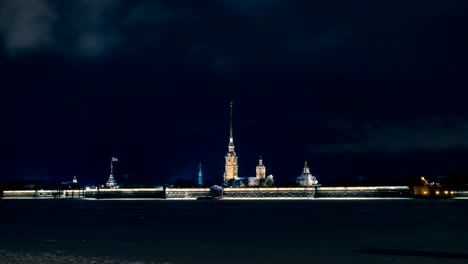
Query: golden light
point(425, 192)
point(452, 192)
point(446, 192)
point(437, 192)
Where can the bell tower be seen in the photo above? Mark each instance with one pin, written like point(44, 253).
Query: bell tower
point(231, 167)
point(261, 170)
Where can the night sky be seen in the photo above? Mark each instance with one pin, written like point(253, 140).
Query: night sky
point(360, 89)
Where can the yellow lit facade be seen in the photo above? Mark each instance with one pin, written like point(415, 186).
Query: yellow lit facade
point(260, 170)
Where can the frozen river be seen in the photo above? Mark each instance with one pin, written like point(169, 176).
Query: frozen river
point(246, 231)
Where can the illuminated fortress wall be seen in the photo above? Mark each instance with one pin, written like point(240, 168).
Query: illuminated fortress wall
point(269, 192)
point(364, 192)
point(461, 194)
point(126, 193)
point(93, 193)
point(193, 193)
point(186, 193)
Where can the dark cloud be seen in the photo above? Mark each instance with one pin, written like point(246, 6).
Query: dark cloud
point(78, 28)
point(334, 33)
point(27, 25)
point(436, 134)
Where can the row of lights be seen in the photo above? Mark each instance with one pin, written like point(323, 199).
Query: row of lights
point(438, 192)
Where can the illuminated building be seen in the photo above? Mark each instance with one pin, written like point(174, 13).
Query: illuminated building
point(111, 183)
point(306, 179)
point(231, 177)
point(231, 167)
point(261, 170)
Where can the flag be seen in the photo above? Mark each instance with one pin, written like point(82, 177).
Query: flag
point(114, 159)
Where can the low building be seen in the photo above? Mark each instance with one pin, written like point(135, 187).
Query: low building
point(306, 179)
point(111, 183)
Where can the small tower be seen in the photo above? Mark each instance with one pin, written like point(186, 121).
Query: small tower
point(231, 167)
point(261, 170)
point(75, 180)
point(111, 183)
point(200, 176)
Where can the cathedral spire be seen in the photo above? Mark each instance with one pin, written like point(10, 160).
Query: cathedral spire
point(231, 168)
point(231, 138)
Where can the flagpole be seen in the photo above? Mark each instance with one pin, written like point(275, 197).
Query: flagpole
point(112, 167)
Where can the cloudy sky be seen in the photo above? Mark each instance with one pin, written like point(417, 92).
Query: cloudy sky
point(359, 89)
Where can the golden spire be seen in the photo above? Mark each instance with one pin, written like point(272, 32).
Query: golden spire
point(231, 138)
point(230, 129)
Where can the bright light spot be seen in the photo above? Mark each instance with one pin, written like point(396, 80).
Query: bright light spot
point(425, 192)
point(446, 192)
point(452, 192)
point(437, 192)
point(87, 188)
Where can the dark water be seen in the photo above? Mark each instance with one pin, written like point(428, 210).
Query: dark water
point(314, 231)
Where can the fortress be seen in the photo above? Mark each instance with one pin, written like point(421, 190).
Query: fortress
point(260, 187)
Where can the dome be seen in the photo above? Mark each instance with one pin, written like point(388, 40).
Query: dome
point(306, 179)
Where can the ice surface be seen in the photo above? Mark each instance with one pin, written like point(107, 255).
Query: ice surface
point(265, 231)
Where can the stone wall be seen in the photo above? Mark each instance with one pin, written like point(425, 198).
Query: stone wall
point(125, 193)
point(300, 192)
point(29, 194)
point(93, 193)
point(463, 194)
point(186, 193)
point(193, 193)
point(363, 192)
